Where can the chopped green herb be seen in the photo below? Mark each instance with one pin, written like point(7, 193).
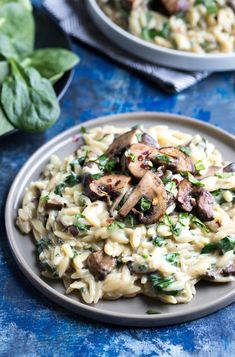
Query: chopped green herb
point(72, 179)
point(152, 312)
point(81, 226)
point(199, 165)
point(172, 258)
point(145, 204)
point(195, 181)
point(197, 222)
point(139, 137)
point(83, 130)
point(163, 158)
point(43, 244)
point(185, 150)
point(130, 155)
point(130, 220)
point(105, 163)
point(96, 176)
point(224, 174)
point(145, 256)
point(159, 241)
point(224, 245)
point(159, 284)
point(45, 198)
point(59, 189)
point(116, 225)
point(211, 5)
point(171, 188)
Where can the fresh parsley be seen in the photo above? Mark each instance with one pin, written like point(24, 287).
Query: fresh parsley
point(72, 179)
point(195, 181)
point(172, 258)
point(199, 166)
point(159, 241)
point(43, 244)
point(116, 225)
point(59, 189)
point(164, 158)
point(224, 245)
point(197, 222)
point(185, 150)
point(145, 204)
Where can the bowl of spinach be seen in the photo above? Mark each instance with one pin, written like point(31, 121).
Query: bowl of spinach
point(36, 66)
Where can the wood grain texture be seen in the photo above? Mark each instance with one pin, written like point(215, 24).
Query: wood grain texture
point(30, 325)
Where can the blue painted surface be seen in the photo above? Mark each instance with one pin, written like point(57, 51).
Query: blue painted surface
point(30, 325)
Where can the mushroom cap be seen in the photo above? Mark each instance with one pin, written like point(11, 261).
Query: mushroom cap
point(122, 142)
point(107, 186)
point(184, 197)
point(152, 188)
point(180, 163)
point(229, 168)
point(140, 164)
point(100, 264)
point(174, 6)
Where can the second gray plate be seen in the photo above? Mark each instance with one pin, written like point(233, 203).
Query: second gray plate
point(132, 312)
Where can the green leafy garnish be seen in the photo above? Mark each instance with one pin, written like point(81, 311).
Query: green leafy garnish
point(72, 179)
point(130, 220)
point(224, 245)
point(195, 181)
point(159, 284)
point(211, 5)
point(197, 222)
point(199, 166)
point(44, 199)
point(104, 163)
point(163, 158)
point(130, 155)
point(83, 130)
point(59, 189)
point(171, 188)
point(224, 174)
point(43, 244)
point(152, 312)
point(81, 226)
point(116, 225)
point(172, 258)
point(159, 241)
point(185, 150)
point(145, 204)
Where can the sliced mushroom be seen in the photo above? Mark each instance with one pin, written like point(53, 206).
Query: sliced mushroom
point(53, 204)
point(184, 198)
point(139, 164)
point(178, 161)
point(100, 264)
point(174, 6)
point(130, 4)
point(149, 140)
point(204, 205)
point(229, 168)
point(108, 186)
point(231, 3)
point(122, 142)
point(191, 197)
point(220, 274)
point(152, 188)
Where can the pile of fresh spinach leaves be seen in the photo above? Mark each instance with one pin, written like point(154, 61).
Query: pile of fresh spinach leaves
point(27, 97)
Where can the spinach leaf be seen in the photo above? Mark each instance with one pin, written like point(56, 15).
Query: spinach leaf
point(224, 245)
point(4, 70)
point(51, 62)
point(159, 241)
point(17, 30)
point(145, 204)
point(72, 179)
point(29, 100)
point(5, 125)
point(116, 225)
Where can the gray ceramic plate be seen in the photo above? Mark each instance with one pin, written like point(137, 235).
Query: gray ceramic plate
point(151, 52)
point(209, 297)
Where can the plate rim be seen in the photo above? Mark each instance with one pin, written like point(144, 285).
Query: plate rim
point(91, 311)
point(96, 11)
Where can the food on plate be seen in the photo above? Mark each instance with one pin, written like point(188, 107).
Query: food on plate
point(199, 26)
point(27, 100)
point(134, 211)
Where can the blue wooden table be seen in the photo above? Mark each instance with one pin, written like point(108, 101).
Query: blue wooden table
point(30, 325)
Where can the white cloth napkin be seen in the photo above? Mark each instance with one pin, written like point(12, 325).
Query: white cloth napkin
point(75, 20)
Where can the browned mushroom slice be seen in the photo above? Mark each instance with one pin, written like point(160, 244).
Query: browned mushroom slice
point(190, 197)
point(151, 188)
point(100, 264)
point(149, 140)
point(108, 186)
point(122, 142)
point(184, 198)
point(229, 168)
point(178, 161)
point(204, 205)
point(53, 204)
point(174, 6)
point(137, 161)
point(220, 274)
